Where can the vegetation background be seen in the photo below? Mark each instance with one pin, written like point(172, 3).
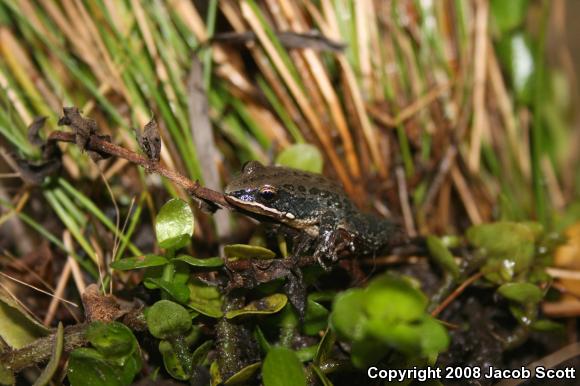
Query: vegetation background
point(443, 114)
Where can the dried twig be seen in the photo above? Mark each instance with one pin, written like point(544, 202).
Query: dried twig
point(103, 145)
point(458, 291)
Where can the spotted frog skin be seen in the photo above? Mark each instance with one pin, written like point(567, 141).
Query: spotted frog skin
point(314, 205)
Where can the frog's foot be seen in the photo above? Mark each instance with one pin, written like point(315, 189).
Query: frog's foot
point(326, 250)
point(295, 290)
point(321, 262)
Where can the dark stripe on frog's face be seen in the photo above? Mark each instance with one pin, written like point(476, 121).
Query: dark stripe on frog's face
point(293, 197)
point(235, 198)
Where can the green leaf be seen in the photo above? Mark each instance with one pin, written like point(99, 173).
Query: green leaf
point(322, 296)
point(544, 325)
point(139, 262)
point(87, 367)
point(282, 368)
point(434, 338)
point(325, 347)
point(6, 375)
point(424, 338)
point(509, 246)
point(348, 318)
point(442, 256)
point(174, 224)
point(205, 299)
point(244, 251)
point(306, 354)
point(268, 305)
point(243, 376)
point(199, 356)
point(166, 319)
point(316, 318)
point(502, 237)
point(178, 290)
point(17, 328)
point(367, 351)
point(521, 292)
point(112, 340)
point(262, 340)
point(301, 156)
point(214, 372)
point(171, 361)
point(392, 299)
point(508, 15)
point(197, 262)
point(287, 318)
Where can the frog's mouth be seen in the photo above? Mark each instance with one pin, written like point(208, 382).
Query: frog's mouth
point(260, 209)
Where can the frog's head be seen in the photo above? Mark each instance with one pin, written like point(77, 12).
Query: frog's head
point(260, 190)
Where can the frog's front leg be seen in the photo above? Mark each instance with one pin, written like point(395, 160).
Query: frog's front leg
point(331, 234)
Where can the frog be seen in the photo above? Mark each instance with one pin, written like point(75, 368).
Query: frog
point(325, 218)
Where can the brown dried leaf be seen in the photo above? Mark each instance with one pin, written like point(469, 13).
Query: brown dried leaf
point(83, 127)
point(150, 141)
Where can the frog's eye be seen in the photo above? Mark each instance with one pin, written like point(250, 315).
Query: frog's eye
point(267, 192)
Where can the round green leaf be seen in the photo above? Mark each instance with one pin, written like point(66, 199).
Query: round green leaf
point(268, 305)
point(166, 319)
point(521, 292)
point(113, 340)
point(135, 262)
point(348, 318)
point(282, 368)
point(244, 251)
point(424, 338)
point(434, 338)
point(197, 262)
point(205, 299)
point(301, 156)
point(174, 224)
point(501, 238)
point(88, 367)
point(391, 298)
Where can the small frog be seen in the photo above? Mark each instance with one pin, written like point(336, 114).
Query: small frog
point(314, 205)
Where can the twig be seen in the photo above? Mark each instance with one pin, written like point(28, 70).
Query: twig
point(466, 196)
point(444, 167)
point(456, 293)
point(404, 200)
point(76, 271)
point(479, 113)
point(41, 349)
point(38, 289)
point(103, 146)
point(564, 273)
point(60, 287)
point(549, 361)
